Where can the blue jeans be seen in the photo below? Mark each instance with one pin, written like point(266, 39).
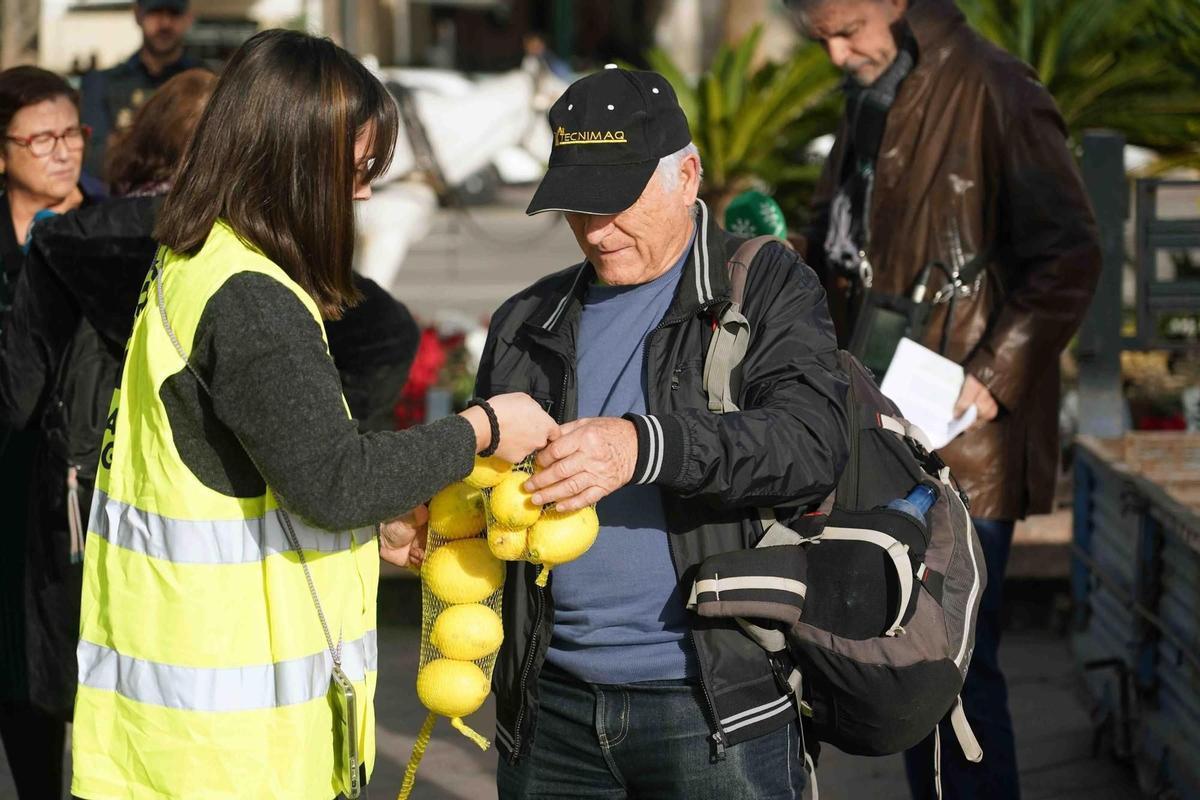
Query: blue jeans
point(643, 740)
point(985, 700)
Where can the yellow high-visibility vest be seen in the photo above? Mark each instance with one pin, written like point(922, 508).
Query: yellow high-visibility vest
point(203, 667)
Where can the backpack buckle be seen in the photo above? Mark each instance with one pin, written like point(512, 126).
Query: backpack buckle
point(781, 673)
point(931, 462)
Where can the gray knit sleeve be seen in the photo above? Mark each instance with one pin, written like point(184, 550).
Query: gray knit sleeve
point(276, 388)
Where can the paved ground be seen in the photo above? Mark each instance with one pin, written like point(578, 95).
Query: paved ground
point(474, 260)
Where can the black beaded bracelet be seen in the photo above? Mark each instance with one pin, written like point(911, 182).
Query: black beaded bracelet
point(495, 424)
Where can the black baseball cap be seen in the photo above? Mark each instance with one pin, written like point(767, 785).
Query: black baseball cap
point(178, 6)
point(610, 130)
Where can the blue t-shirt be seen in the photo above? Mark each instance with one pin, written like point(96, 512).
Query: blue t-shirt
point(619, 614)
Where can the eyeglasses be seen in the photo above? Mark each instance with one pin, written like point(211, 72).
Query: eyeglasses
point(42, 144)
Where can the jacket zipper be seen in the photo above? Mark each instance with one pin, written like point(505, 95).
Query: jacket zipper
point(718, 736)
point(521, 691)
point(541, 606)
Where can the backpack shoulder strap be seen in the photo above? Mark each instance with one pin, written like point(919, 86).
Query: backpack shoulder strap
point(732, 336)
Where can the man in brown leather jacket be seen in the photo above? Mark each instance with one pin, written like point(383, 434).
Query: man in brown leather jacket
point(952, 158)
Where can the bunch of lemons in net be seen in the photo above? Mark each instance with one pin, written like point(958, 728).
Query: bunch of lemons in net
point(519, 529)
point(474, 527)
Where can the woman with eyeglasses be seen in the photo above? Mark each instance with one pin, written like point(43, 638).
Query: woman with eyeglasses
point(41, 152)
point(41, 157)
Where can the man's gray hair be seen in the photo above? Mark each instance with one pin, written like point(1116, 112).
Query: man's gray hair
point(800, 9)
point(668, 166)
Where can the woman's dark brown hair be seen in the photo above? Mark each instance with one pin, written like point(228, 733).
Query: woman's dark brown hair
point(273, 156)
point(150, 150)
point(28, 86)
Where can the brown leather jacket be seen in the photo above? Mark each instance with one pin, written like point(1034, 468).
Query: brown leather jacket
point(974, 156)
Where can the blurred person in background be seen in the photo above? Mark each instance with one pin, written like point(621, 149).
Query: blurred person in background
point(232, 563)
point(41, 153)
point(951, 186)
point(539, 55)
point(111, 96)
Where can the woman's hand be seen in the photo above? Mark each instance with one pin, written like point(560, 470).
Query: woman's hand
point(402, 540)
point(524, 426)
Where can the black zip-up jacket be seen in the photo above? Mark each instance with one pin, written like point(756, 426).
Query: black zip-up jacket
point(785, 449)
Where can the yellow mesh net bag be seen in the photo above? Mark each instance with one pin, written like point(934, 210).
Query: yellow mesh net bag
point(461, 583)
point(474, 527)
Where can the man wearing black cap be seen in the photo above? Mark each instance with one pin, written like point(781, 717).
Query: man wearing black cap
point(111, 96)
point(606, 685)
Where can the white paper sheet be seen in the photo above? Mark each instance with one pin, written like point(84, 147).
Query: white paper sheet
point(925, 386)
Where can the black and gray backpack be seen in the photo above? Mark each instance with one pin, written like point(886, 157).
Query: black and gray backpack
point(868, 611)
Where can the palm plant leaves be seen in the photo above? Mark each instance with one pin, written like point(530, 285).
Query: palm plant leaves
point(737, 111)
point(1129, 65)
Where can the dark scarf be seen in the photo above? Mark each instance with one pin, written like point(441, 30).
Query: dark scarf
point(866, 113)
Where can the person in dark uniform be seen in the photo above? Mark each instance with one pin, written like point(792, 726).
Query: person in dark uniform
point(111, 96)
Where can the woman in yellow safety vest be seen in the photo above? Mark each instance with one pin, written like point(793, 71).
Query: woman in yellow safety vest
point(227, 639)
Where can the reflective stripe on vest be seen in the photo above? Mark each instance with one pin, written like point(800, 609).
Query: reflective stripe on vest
point(226, 541)
point(227, 689)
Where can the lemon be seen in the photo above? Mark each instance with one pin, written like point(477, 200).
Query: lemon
point(452, 688)
point(467, 632)
point(507, 544)
point(463, 571)
point(456, 512)
point(487, 472)
point(557, 538)
point(510, 504)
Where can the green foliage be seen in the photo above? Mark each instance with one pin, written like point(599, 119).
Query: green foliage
point(739, 113)
point(1129, 65)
